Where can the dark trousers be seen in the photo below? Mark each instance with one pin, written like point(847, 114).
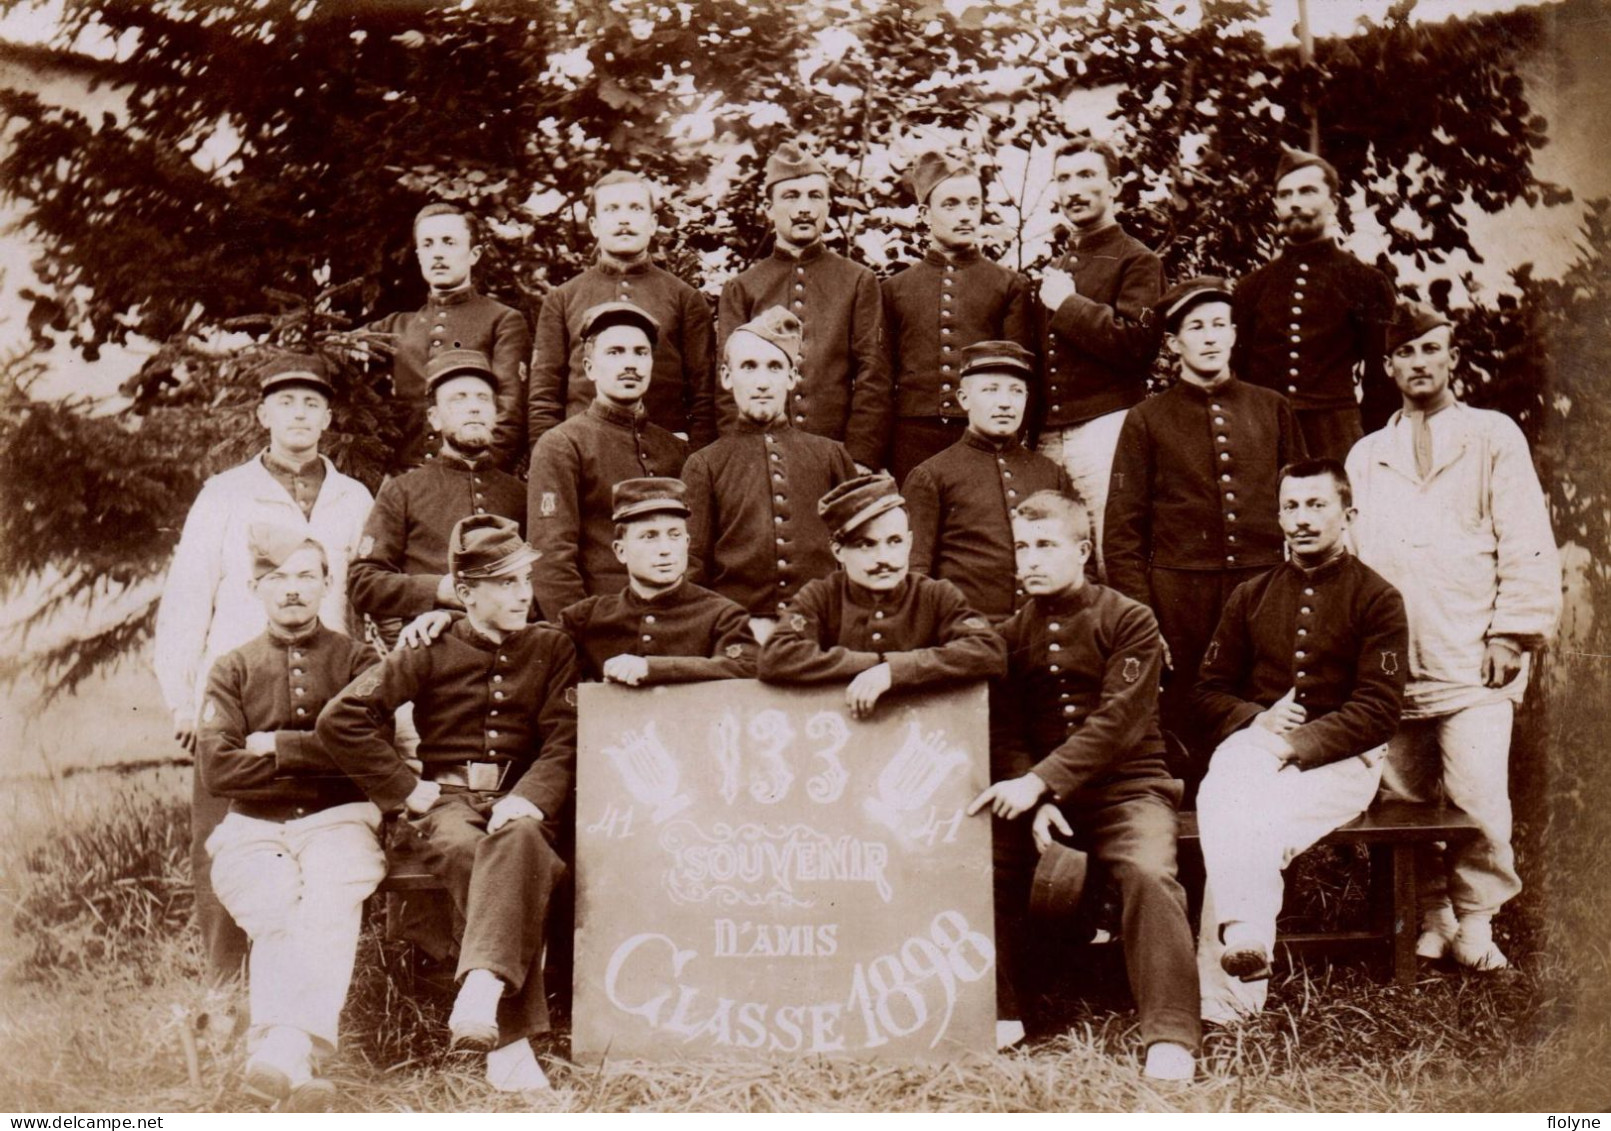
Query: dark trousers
point(223, 944)
point(918, 438)
point(501, 885)
point(1328, 433)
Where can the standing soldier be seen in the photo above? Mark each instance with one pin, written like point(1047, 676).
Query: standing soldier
point(754, 532)
point(844, 375)
point(1101, 335)
point(576, 464)
point(455, 316)
point(494, 700)
point(1311, 322)
point(962, 500)
point(1451, 512)
point(936, 308)
point(621, 217)
point(207, 604)
point(1192, 509)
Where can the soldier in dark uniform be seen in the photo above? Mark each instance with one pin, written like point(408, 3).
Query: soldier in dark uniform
point(621, 216)
point(1313, 320)
point(754, 532)
point(661, 628)
point(844, 374)
point(872, 623)
point(494, 701)
point(1075, 739)
point(455, 316)
point(402, 566)
point(1301, 689)
point(298, 852)
point(577, 464)
point(961, 501)
point(936, 308)
point(1191, 511)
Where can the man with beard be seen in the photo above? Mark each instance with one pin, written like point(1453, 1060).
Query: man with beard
point(843, 391)
point(456, 316)
point(1311, 323)
point(621, 217)
point(402, 565)
point(754, 534)
point(936, 308)
point(1100, 332)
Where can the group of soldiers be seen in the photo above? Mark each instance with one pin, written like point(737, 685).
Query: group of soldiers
point(952, 475)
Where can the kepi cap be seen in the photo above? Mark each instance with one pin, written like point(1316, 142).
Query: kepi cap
point(271, 545)
point(597, 319)
point(936, 165)
point(778, 326)
point(856, 501)
point(998, 357)
point(1187, 293)
point(1294, 159)
point(1054, 894)
point(458, 363)
point(487, 545)
point(639, 498)
point(1410, 321)
point(789, 161)
point(295, 369)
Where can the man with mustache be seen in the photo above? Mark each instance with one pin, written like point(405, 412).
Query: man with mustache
point(844, 374)
point(1300, 689)
point(1192, 507)
point(208, 606)
point(621, 217)
point(576, 464)
point(1100, 335)
point(455, 316)
point(299, 852)
point(753, 530)
point(402, 566)
point(1311, 323)
point(936, 308)
point(1451, 512)
point(872, 623)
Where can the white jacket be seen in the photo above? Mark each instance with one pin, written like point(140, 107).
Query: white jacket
point(207, 604)
point(1470, 548)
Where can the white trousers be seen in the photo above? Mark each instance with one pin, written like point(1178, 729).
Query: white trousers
point(1086, 451)
point(297, 889)
point(1464, 757)
point(1255, 816)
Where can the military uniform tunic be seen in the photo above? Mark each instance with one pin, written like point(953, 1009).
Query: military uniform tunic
point(686, 635)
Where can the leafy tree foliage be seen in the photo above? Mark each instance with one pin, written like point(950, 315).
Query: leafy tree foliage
point(272, 153)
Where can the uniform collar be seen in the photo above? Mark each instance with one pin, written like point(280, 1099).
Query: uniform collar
point(459, 463)
point(613, 266)
point(273, 463)
point(452, 298)
point(1068, 602)
point(1203, 394)
point(868, 599)
point(614, 414)
point(815, 251)
point(1314, 249)
point(635, 600)
point(749, 426)
point(939, 258)
point(304, 639)
point(1108, 234)
point(462, 629)
point(994, 447)
point(1322, 572)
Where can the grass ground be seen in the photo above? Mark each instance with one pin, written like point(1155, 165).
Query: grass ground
point(99, 988)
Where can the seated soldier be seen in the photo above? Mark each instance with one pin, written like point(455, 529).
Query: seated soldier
point(297, 854)
point(494, 702)
point(577, 463)
point(661, 628)
point(962, 499)
point(754, 532)
point(1300, 689)
point(871, 623)
point(1074, 736)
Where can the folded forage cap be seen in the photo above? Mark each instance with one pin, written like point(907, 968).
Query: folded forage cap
point(597, 319)
point(856, 501)
point(791, 160)
point(271, 545)
point(1187, 293)
point(936, 165)
point(487, 545)
point(1294, 159)
point(1054, 895)
point(1410, 321)
point(637, 498)
point(998, 357)
point(458, 363)
point(295, 369)
point(778, 326)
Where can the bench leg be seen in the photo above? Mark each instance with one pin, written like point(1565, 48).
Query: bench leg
point(1406, 919)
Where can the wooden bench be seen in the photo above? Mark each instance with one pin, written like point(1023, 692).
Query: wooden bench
point(1391, 830)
